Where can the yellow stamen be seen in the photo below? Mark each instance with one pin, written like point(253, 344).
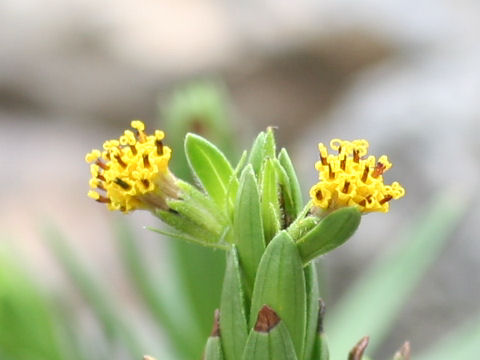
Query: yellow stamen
point(133, 171)
point(350, 179)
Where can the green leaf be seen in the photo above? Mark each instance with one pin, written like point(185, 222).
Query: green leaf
point(295, 189)
point(233, 321)
point(313, 294)
point(281, 345)
point(287, 207)
point(199, 208)
point(395, 273)
point(270, 201)
point(320, 351)
point(248, 227)
point(302, 226)
point(331, 232)
point(241, 163)
point(229, 205)
point(320, 346)
point(257, 154)
point(270, 146)
point(211, 167)
point(188, 228)
point(213, 349)
point(269, 339)
point(257, 346)
point(280, 284)
point(176, 235)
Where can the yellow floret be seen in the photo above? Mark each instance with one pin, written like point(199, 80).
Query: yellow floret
point(350, 179)
point(132, 171)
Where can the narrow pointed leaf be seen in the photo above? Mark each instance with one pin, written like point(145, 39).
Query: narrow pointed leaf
point(210, 166)
point(293, 180)
point(213, 349)
point(233, 321)
point(320, 351)
point(270, 146)
point(331, 232)
point(270, 201)
point(359, 349)
point(188, 227)
point(320, 346)
point(257, 346)
point(395, 273)
point(233, 187)
point(176, 235)
point(280, 284)
point(287, 207)
point(248, 227)
point(403, 353)
point(313, 294)
point(281, 345)
point(257, 154)
point(199, 207)
point(241, 163)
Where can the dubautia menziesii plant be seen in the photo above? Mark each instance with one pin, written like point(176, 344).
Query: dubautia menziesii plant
point(270, 306)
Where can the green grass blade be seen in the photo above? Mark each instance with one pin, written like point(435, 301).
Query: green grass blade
point(163, 300)
point(371, 305)
point(114, 326)
point(257, 153)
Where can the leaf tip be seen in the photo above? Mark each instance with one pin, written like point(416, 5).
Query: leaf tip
point(357, 352)
point(321, 315)
point(404, 352)
point(216, 324)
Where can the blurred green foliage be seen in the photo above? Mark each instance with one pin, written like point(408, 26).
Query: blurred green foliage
point(34, 327)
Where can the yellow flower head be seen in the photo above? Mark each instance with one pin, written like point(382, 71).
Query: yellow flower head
point(350, 178)
point(132, 172)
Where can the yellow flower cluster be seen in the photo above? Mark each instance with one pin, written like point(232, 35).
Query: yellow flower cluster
point(349, 178)
point(132, 172)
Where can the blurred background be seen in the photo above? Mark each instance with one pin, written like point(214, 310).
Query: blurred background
point(404, 75)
